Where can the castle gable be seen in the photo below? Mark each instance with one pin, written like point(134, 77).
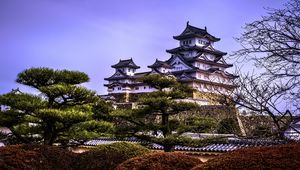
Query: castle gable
point(179, 64)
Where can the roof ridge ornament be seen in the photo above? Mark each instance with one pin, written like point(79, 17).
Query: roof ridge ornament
point(187, 23)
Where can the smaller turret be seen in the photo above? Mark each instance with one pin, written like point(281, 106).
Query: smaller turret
point(128, 67)
point(160, 66)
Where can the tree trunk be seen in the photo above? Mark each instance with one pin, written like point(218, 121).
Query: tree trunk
point(165, 124)
point(48, 134)
point(168, 148)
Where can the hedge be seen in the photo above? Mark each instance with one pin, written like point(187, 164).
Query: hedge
point(160, 161)
point(35, 157)
point(107, 157)
point(285, 157)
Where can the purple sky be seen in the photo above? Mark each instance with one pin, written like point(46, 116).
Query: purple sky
point(92, 35)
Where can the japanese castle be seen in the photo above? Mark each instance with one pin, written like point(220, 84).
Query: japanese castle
point(195, 62)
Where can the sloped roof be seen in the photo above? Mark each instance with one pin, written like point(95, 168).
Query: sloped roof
point(185, 76)
point(173, 57)
point(125, 63)
point(215, 62)
point(197, 48)
point(159, 63)
point(119, 74)
point(231, 145)
point(191, 31)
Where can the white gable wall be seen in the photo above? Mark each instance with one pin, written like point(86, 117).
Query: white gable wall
point(179, 65)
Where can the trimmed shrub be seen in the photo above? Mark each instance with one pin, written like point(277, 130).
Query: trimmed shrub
point(107, 157)
point(160, 161)
point(35, 157)
point(276, 157)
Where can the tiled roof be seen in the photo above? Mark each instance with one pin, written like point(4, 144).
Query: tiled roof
point(159, 63)
point(183, 59)
point(208, 148)
point(215, 62)
point(232, 145)
point(197, 48)
point(125, 63)
point(191, 31)
point(113, 77)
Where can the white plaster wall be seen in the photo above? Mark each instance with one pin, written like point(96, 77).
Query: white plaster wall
point(178, 67)
point(129, 71)
point(193, 42)
point(210, 56)
point(142, 89)
point(117, 89)
point(198, 43)
point(164, 70)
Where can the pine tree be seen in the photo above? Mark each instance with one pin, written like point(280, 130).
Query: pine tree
point(155, 118)
point(63, 109)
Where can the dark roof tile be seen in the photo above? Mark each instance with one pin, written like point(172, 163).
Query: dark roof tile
point(191, 31)
point(125, 63)
point(159, 63)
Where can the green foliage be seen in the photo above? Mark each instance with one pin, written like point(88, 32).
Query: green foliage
point(40, 77)
point(64, 111)
point(22, 101)
point(101, 109)
point(262, 131)
point(198, 124)
point(109, 156)
point(66, 94)
point(228, 126)
point(125, 148)
point(154, 112)
point(159, 82)
point(90, 130)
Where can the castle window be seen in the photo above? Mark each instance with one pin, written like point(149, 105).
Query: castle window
point(119, 88)
point(202, 42)
point(136, 88)
point(112, 89)
point(190, 41)
point(144, 87)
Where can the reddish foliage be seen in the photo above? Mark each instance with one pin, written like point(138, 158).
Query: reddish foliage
point(285, 157)
point(34, 157)
point(107, 157)
point(99, 160)
point(160, 161)
point(54, 158)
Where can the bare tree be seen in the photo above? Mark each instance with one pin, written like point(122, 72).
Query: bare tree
point(273, 43)
point(256, 94)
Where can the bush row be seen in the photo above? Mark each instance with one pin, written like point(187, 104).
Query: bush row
point(285, 157)
point(50, 157)
point(125, 156)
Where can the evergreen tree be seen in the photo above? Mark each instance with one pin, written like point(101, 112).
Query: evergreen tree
point(62, 111)
point(155, 118)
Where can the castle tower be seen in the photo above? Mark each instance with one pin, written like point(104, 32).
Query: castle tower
point(194, 62)
point(197, 63)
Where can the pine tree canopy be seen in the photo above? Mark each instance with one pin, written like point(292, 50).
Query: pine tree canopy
point(155, 118)
point(64, 110)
